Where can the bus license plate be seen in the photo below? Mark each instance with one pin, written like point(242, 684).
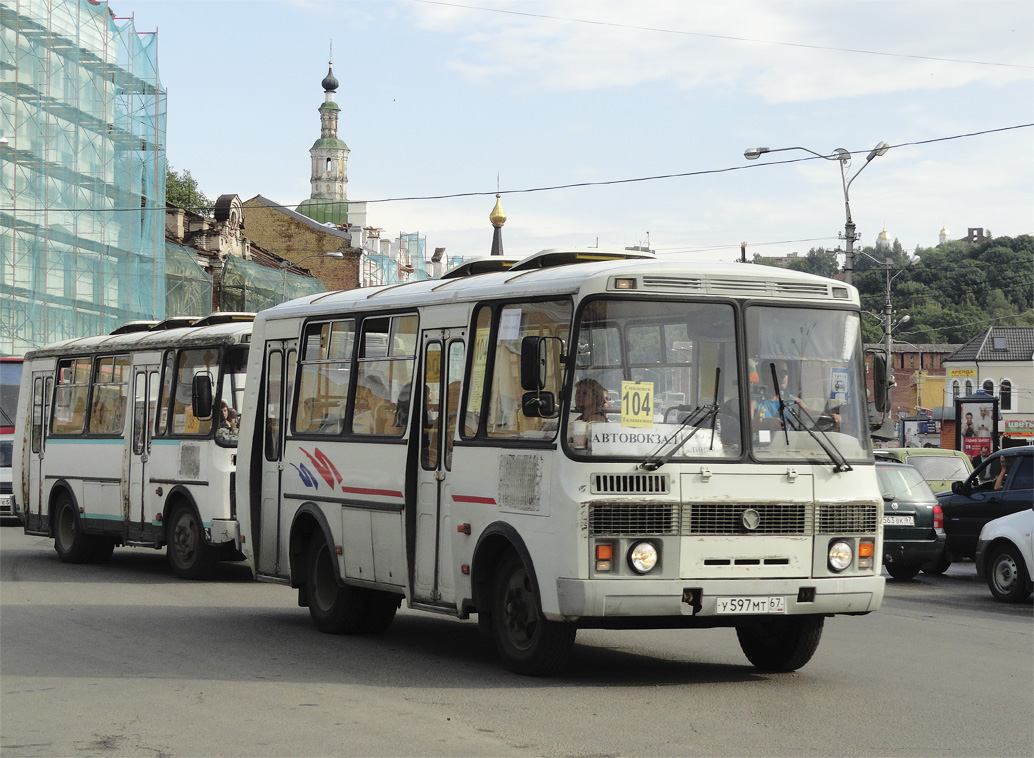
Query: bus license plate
point(895, 520)
point(733, 605)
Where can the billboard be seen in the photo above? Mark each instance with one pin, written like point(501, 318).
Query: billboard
point(976, 424)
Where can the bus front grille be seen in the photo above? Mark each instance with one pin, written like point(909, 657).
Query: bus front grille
point(632, 518)
point(640, 484)
point(846, 518)
point(617, 519)
point(724, 518)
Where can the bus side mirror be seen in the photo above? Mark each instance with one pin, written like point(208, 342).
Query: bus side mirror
point(533, 363)
point(201, 396)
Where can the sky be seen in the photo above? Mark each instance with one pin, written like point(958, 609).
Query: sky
point(648, 106)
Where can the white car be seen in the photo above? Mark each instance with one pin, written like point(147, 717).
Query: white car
point(1005, 556)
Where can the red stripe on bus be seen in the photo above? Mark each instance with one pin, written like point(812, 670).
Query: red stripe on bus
point(364, 491)
point(474, 499)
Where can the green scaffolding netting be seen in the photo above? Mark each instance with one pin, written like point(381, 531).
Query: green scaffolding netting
point(82, 175)
point(188, 286)
point(247, 286)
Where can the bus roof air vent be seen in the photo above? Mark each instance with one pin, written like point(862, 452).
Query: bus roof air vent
point(176, 322)
point(490, 265)
point(557, 257)
point(232, 317)
point(131, 327)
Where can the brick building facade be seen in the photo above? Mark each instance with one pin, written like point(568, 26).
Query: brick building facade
point(295, 237)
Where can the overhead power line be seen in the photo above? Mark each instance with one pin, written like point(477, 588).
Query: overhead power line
point(727, 37)
point(609, 182)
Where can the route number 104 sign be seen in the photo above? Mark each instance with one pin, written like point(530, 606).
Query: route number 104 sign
point(637, 404)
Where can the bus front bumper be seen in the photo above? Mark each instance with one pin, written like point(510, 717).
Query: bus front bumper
point(699, 598)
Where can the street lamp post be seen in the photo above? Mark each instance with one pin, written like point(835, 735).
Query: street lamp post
point(286, 264)
point(844, 158)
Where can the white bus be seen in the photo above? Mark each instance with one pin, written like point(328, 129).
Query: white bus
point(579, 441)
point(131, 438)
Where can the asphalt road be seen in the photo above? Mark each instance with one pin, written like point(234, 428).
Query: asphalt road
point(127, 660)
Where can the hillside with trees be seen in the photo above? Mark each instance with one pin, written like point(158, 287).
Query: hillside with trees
point(952, 291)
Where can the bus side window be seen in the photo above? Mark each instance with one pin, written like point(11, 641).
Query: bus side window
point(271, 413)
point(73, 387)
point(161, 423)
point(326, 369)
point(516, 321)
point(478, 365)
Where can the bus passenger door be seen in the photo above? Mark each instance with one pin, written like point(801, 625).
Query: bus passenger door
point(433, 576)
point(278, 377)
point(145, 400)
point(42, 389)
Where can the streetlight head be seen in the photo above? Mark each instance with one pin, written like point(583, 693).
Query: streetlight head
point(336, 254)
point(753, 153)
point(880, 149)
point(841, 155)
point(904, 319)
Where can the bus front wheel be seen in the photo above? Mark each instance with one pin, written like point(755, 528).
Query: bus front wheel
point(188, 554)
point(780, 644)
point(71, 544)
point(528, 643)
point(335, 608)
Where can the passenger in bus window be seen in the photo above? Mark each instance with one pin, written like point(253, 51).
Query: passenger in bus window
point(590, 400)
point(374, 411)
point(228, 417)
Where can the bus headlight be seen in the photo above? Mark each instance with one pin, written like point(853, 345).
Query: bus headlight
point(643, 557)
point(840, 555)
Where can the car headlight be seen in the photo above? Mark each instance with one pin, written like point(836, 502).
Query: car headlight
point(643, 557)
point(840, 555)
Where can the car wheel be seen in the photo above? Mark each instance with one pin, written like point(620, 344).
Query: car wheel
point(780, 644)
point(902, 571)
point(938, 566)
point(335, 608)
point(527, 643)
point(71, 544)
point(1007, 576)
point(188, 554)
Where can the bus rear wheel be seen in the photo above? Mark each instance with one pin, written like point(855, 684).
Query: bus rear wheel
point(188, 554)
point(528, 643)
point(335, 608)
point(780, 644)
point(71, 544)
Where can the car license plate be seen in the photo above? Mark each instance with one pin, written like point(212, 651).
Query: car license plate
point(734, 605)
point(898, 520)
point(6, 503)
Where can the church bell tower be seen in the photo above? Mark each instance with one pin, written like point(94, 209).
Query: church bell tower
point(328, 200)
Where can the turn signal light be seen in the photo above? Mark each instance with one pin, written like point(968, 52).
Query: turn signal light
point(938, 517)
point(604, 557)
point(866, 550)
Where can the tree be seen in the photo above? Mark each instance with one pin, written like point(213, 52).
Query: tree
point(182, 191)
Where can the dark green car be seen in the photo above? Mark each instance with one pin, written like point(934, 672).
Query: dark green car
point(913, 525)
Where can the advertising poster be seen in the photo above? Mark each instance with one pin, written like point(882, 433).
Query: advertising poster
point(976, 426)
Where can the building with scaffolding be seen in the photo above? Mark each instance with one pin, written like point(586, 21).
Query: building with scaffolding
point(82, 173)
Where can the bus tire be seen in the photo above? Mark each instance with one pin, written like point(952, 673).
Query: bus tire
point(188, 554)
point(101, 550)
point(780, 644)
point(71, 544)
point(335, 608)
point(380, 611)
point(528, 643)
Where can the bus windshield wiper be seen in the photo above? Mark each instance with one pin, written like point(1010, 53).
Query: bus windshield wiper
point(840, 463)
point(697, 418)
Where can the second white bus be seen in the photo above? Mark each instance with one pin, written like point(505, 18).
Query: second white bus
point(130, 439)
point(584, 440)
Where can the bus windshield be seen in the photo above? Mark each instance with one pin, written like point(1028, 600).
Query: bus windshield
point(655, 379)
point(805, 383)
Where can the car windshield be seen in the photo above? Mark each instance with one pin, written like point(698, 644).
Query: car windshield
point(655, 381)
point(806, 390)
point(903, 483)
point(939, 468)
